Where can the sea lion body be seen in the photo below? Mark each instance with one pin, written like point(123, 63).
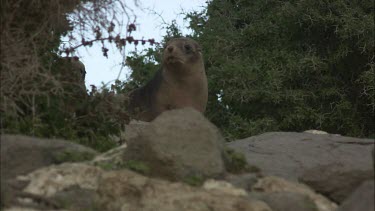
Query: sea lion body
point(181, 82)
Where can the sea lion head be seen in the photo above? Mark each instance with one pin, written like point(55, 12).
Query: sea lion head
point(180, 52)
point(77, 72)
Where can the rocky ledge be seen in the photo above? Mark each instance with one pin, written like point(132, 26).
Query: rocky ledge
point(180, 161)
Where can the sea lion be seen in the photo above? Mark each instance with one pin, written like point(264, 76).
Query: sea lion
point(75, 69)
point(181, 82)
point(71, 75)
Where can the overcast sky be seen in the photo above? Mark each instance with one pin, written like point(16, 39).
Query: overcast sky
point(100, 69)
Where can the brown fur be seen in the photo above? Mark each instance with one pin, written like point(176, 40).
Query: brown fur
point(76, 69)
point(72, 77)
point(181, 82)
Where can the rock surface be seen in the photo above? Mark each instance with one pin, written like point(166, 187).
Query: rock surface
point(126, 190)
point(22, 154)
point(290, 154)
point(245, 181)
point(362, 199)
point(334, 181)
point(288, 201)
point(331, 164)
point(272, 184)
point(177, 145)
point(181, 147)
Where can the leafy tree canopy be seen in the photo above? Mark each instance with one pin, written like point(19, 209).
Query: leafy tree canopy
point(286, 65)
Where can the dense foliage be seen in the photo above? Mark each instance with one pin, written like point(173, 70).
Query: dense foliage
point(38, 95)
point(287, 65)
point(272, 66)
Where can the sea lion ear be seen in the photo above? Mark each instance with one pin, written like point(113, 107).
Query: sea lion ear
point(198, 47)
point(165, 45)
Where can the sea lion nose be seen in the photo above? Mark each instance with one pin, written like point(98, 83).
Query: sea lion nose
point(170, 48)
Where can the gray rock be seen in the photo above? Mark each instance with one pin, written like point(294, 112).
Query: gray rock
point(362, 198)
point(288, 201)
point(335, 182)
point(134, 129)
point(76, 198)
point(271, 184)
point(122, 190)
point(22, 154)
point(69, 186)
point(78, 186)
point(178, 145)
point(290, 154)
point(244, 181)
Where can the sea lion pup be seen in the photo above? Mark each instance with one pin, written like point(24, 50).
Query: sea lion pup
point(76, 69)
point(181, 82)
point(72, 77)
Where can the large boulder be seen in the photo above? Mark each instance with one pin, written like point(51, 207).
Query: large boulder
point(178, 145)
point(333, 165)
point(288, 201)
point(291, 154)
point(335, 182)
point(22, 154)
point(271, 187)
point(362, 199)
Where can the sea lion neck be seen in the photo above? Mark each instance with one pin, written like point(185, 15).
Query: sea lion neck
point(182, 72)
point(171, 76)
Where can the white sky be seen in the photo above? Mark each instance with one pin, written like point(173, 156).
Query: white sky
point(100, 69)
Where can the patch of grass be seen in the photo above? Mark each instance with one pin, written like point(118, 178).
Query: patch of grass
point(235, 162)
point(137, 166)
point(110, 165)
point(253, 169)
point(107, 166)
point(72, 156)
point(194, 180)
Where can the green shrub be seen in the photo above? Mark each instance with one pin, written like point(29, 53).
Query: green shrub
point(287, 65)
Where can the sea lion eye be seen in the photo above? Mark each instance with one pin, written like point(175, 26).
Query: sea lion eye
point(188, 47)
point(83, 73)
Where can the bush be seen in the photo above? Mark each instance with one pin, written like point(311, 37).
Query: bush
point(284, 65)
point(38, 96)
